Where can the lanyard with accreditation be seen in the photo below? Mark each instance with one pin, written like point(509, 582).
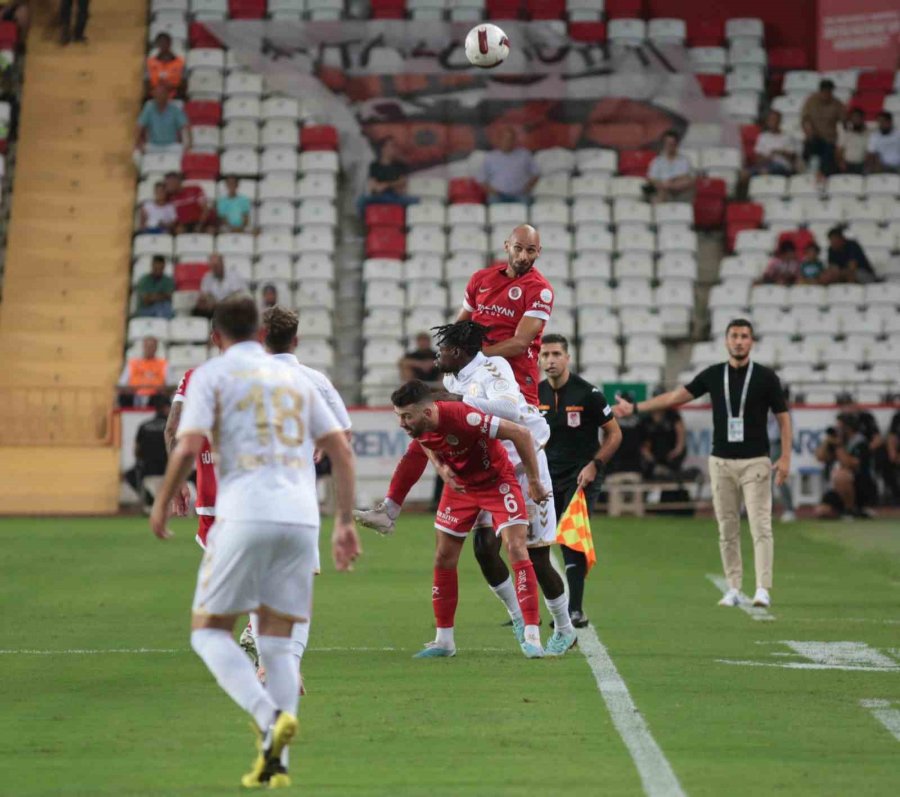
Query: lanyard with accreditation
point(736, 425)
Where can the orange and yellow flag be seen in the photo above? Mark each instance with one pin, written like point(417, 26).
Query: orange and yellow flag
point(574, 529)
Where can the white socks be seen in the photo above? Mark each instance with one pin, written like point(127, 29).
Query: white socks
point(282, 676)
point(392, 508)
point(507, 593)
point(254, 624)
point(235, 673)
point(559, 608)
point(299, 640)
point(444, 638)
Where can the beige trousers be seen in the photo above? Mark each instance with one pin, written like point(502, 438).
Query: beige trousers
point(751, 478)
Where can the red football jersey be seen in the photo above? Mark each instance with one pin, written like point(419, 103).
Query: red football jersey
point(206, 473)
point(500, 303)
point(466, 440)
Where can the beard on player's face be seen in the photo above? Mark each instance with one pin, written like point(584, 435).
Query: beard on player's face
point(520, 265)
point(448, 360)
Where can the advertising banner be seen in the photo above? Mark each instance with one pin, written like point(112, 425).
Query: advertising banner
point(858, 33)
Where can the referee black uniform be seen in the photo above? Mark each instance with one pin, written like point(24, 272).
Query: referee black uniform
point(575, 413)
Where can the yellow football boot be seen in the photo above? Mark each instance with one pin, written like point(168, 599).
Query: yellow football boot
point(268, 761)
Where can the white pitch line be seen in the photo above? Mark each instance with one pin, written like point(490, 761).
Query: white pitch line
point(745, 605)
point(151, 651)
point(656, 773)
point(887, 716)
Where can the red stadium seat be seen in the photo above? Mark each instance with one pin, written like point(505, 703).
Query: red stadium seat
point(386, 216)
point(588, 32)
point(203, 112)
point(870, 103)
point(199, 36)
point(319, 137)
point(9, 35)
point(709, 203)
point(624, 9)
point(386, 242)
point(745, 213)
point(388, 9)
point(749, 134)
point(200, 165)
point(635, 162)
point(503, 9)
point(546, 9)
point(801, 238)
point(705, 32)
point(246, 9)
point(784, 58)
point(465, 190)
point(879, 81)
point(712, 85)
point(188, 275)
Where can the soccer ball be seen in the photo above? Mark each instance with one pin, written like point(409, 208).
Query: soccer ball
point(486, 46)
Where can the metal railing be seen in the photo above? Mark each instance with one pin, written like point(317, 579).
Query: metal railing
point(56, 416)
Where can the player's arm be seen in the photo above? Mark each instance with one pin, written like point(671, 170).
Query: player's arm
point(680, 395)
point(526, 331)
point(444, 471)
point(523, 440)
point(172, 425)
point(345, 543)
point(181, 460)
point(782, 466)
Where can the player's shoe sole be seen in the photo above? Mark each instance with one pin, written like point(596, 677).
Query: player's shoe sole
point(432, 651)
point(376, 519)
point(268, 763)
point(532, 651)
point(560, 644)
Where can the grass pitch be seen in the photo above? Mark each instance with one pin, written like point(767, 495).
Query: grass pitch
point(734, 708)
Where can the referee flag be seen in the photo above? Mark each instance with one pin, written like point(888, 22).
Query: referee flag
point(574, 529)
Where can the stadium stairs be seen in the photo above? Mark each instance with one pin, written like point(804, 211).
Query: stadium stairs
point(66, 276)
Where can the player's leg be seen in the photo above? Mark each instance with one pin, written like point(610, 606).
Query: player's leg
point(563, 637)
point(444, 594)
point(515, 536)
point(726, 494)
point(486, 545)
point(575, 561)
point(408, 471)
point(757, 489)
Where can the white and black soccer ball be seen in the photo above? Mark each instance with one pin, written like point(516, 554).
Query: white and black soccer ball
point(487, 46)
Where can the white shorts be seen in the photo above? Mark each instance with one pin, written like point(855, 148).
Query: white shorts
point(248, 564)
point(541, 518)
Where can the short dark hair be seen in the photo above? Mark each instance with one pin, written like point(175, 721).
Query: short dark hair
point(466, 335)
point(814, 246)
point(177, 175)
point(158, 259)
point(163, 35)
point(555, 337)
point(281, 327)
point(740, 322)
point(236, 317)
point(672, 132)
point(836, 230)
point(787, 245)
point(413, 392)
point(826, 85)
point(887, 115)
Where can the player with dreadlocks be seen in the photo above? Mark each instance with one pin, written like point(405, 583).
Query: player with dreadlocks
point(488, 385)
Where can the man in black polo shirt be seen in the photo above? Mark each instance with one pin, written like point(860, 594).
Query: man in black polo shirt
point(739, 465)
point(847, 262)
point(575, 411)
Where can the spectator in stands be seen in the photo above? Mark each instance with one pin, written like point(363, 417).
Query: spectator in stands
point(165, 67)
point(150, 453)
point(670, 174)
point(158, 214)
point(853, 143)
point(269, 298)
point(216, 285)
point(784, 268)
point(847, 262)
point(154, 291)
point(775, 151)
point(420, 362)
point(17, 11)
point(233, 209)
point(664, 445)
point(812, 269)
point(821, 114)
point(193, 211)
point(884, 146)
point(162, 125)
point(852, 486)
point(387, 179)
point(143, 376)
point(508, 172)
point(878, 447)
point(65, 20)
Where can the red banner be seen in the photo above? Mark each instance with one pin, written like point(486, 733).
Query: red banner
point(859, 33)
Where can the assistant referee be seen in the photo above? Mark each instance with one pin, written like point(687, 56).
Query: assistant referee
point(742, 392)
point(575, 411)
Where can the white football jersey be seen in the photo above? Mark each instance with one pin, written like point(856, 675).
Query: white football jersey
point(262, 418)
point(491, 379)
point(323, 384)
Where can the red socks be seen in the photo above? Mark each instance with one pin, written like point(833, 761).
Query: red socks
point(408, 471)
point(445, 594)
point(526, 591)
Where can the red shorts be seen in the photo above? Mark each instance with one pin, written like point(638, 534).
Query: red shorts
point(203, 527)
point(503, 499)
